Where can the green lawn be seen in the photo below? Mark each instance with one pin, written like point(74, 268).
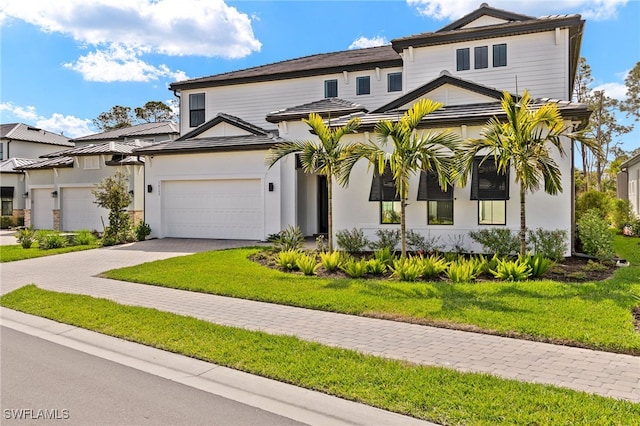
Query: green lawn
point(16, 252)
point(432, 393)
point(594, 314)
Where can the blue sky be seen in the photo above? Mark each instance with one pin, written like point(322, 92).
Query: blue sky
point(63, 62)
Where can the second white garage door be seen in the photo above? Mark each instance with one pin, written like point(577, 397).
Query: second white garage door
point(221, 208)
point(79, 211)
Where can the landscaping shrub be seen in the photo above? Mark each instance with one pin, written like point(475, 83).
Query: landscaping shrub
point(52, 240)
point(384, 255)
point(538, 264)
point(512, 270)
point(633, 228)
point(307, 263)
point(433, 266)
point(551, 244)
point(376, 267)
point(592, 200)
point(84, 237)
point(352, 241)
point(287, 259)
point(620, 213)
point(143, 230)
point(331, 260)
point(26, 237)
point(290, 238)
point(407, 268)
point(457, 244)
point(355, 268)
point(463, 270)
point(500, 241)
point(597, 239)
point(112, 193)
point(6, 222)
point(387, 239)
point(419, 243)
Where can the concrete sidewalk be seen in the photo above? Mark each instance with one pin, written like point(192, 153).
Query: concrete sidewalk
point(597, 372)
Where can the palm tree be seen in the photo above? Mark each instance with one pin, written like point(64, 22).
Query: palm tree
point(412, 152)
point(322, 156)
point(523, 142)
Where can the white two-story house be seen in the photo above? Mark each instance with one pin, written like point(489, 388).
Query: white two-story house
point(212, 182)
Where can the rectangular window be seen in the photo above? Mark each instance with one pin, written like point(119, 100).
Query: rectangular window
point(487, 183)
point(394, 82)
point(363, 85)
point(439, 202)
point(481, 57)
point(331, 88)
point(492, 212)
point(1, 151)
point(383, 189)
point(500, 55)
point(91, 163)
point(462, 59)
point(196, 109)
point(6, 193)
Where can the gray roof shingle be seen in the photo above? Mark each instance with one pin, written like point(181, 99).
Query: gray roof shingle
point(26, 133)
point(106, 148)
point(49, 163)
point(11, 164)
point(213, 144)
point(134, 132)
point(325, 108)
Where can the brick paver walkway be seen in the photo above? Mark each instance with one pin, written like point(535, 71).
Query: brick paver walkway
point(597, 372)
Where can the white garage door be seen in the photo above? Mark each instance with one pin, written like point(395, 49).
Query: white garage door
point(42, 208)
point(78, 210)
point(221, 208)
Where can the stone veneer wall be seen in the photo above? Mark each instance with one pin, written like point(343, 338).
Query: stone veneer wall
point(137, 216)
point(56, 220)
point(27, 217)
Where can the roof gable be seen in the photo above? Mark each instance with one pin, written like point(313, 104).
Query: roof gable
point(224, 122)
point(25, 133)
point(138, 131)
point(475, 93)
point(484, 16)
point(326, 108)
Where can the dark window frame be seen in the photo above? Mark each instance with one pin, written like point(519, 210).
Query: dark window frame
point(196, 109)
point(331, 88)
point(394, 82)
point(480, 57)
point(383, 190)
point(487, 183)
point(395, 207)
point(363, 85)
point(500, 55)
point(429, 190)
point(6, 200)
point(493, 203)
point(463, 59)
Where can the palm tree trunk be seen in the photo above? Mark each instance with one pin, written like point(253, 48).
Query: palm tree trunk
point(523, 221)
point(403, 227)
point(330, 212)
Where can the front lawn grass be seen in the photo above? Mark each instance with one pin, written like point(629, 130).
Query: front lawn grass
point(13, 253)
point(431, 393)
point(593, 314)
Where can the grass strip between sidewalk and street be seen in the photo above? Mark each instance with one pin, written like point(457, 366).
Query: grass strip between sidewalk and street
point(432, 393)
point(596, 315)
point(15, 252)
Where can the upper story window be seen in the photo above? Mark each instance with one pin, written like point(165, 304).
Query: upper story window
point(331, 88)
point(481, 57)
point(1, 151)
point(463, 62)
point(91, 163)
point(500, 55)
point(363, 85)
point(394, 82)
point(196, 109)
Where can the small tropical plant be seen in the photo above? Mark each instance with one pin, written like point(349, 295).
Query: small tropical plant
point(290, 238)
point(331, 260)
point(387, 239)
point(287, 259)
point(432, 266)
point(26, 237)
point(307, 264)
point(500, 241)
point(538, 264)
point(462, 271)
point(512, 270)
point(143, 230)
point(352, 241)
point(52, 240)
point(84, 237)
point(407, 268)
point(384, 255)
point(112, 193)
point(355, 268)
point(376, 267)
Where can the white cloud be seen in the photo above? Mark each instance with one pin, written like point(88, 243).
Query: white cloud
point(123, 30)
point(454, 9)
point(120, 63)
point(613, 90)
point(364, 42)
point(70, 126)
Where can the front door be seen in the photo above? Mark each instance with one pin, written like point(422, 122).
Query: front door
point(323, 205)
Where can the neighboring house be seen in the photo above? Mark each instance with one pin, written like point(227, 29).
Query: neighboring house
point(60, 185)
point(629, 183)
point(21, 144)
point(212, 181)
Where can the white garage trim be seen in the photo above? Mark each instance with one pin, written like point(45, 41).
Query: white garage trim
point(42, 204)
point(230, 208)
point(78, 210)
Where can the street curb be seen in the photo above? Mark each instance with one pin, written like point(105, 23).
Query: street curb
point(290, 401)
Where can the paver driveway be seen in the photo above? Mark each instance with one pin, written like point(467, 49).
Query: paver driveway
point(598, 372)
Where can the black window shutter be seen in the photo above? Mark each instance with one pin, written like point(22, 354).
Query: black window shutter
point(6, 191)
point(487, 183)
point(383, 188)
point(429, 188)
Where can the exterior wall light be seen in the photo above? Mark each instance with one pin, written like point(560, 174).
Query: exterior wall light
point(149, 188)
point(25, 195)
point(54, 194)
point(271, 187)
